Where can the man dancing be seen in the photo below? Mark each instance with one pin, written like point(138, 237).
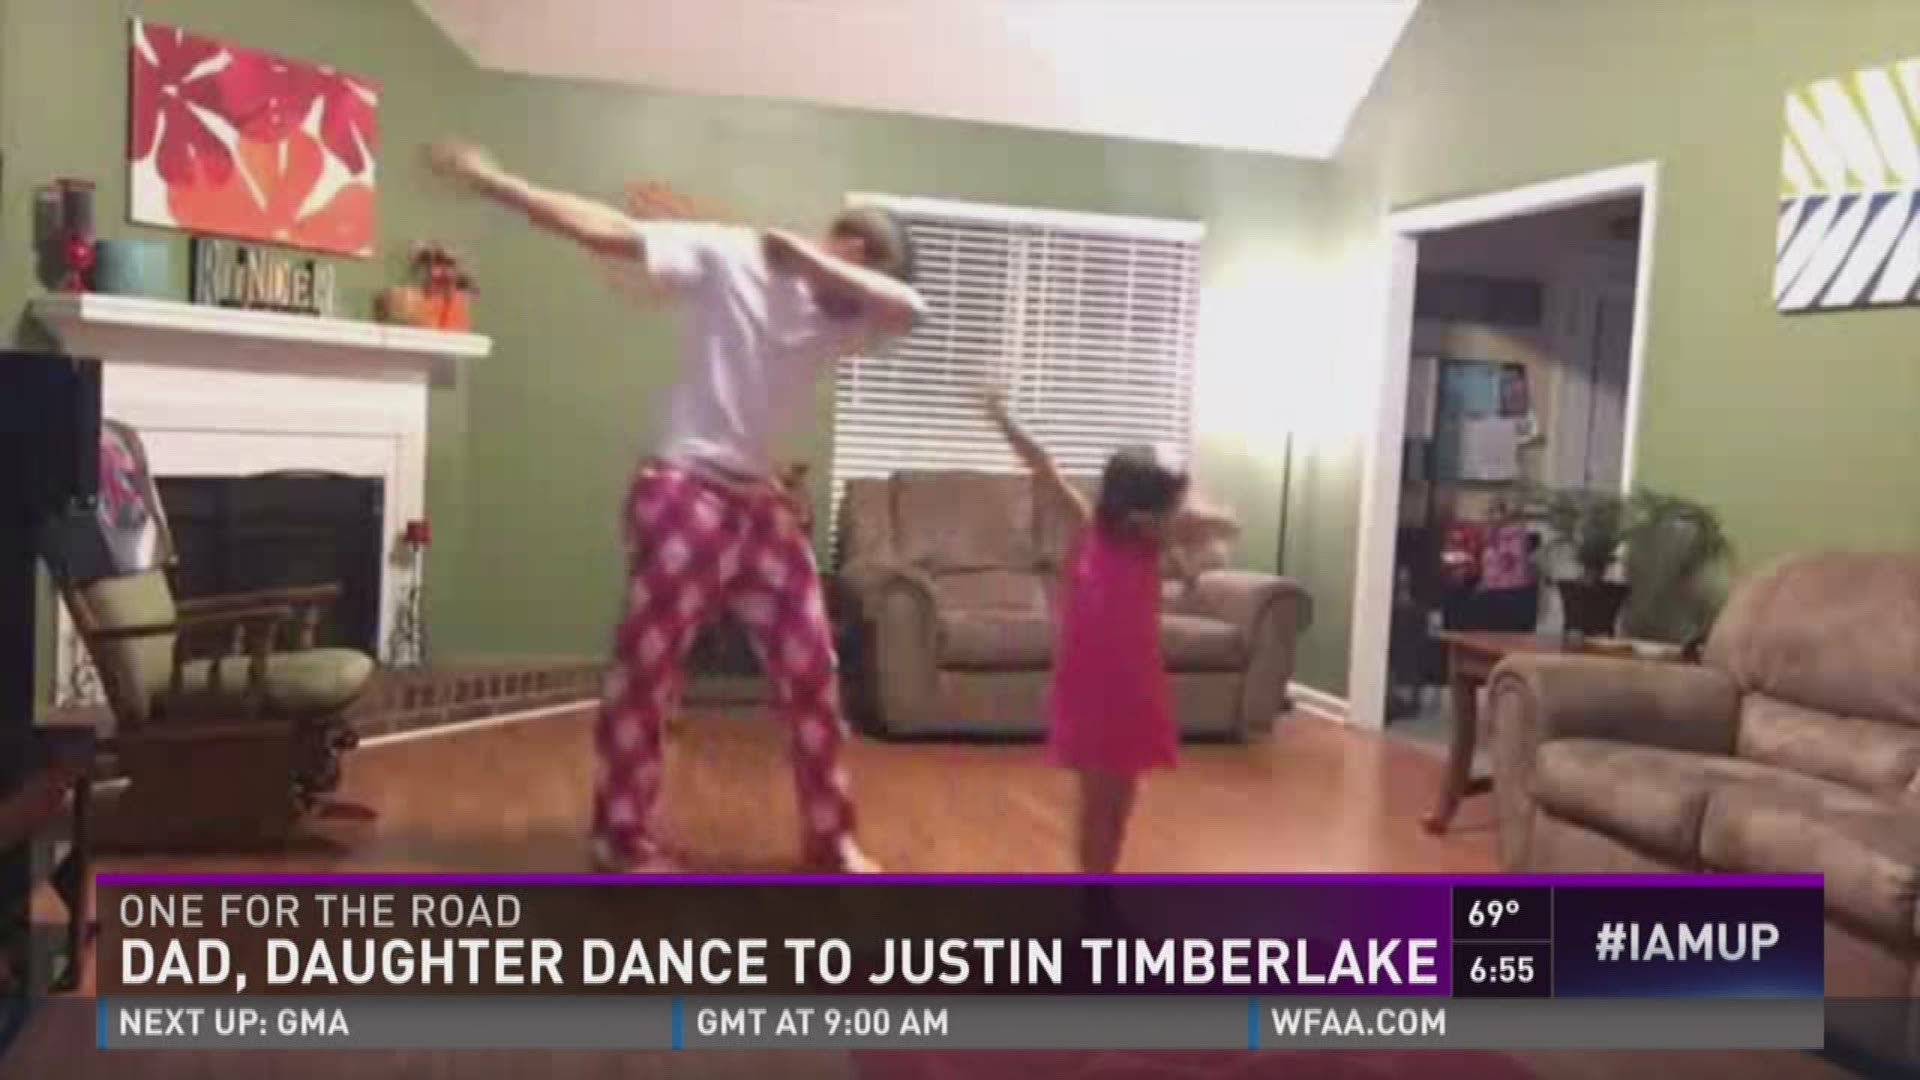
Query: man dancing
point(707, 526)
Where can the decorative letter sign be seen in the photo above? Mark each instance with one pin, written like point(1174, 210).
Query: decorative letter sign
point(232, 275)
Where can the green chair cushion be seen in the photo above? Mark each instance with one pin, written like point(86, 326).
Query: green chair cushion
point(308, 682)
point(143, 664)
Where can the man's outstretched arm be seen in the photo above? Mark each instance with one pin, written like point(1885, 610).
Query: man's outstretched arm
point(891, 306)
point(597, 227)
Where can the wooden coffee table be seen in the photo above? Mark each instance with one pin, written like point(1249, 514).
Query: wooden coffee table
point(1471, 657)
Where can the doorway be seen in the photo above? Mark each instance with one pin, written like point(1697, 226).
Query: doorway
point(1513, 344)
point(1518, 381)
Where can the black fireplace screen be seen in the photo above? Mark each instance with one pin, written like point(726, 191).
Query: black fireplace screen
point(281, 530)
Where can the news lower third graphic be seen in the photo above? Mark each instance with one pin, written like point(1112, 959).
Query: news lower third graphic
point(964, 963)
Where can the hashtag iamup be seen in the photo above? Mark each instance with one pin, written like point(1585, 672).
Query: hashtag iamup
point(1609, 942)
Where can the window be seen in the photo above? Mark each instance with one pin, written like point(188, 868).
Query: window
point(1086, 322)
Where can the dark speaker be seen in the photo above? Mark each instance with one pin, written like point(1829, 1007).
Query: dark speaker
point(50, 425)
point(50, 447)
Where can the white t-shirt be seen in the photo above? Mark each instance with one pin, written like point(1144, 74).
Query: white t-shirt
point(752, 344)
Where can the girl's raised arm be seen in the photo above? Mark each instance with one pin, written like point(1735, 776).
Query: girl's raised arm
point(1035, 457)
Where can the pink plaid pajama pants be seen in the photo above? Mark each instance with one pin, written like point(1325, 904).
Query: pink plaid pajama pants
point(696, 547)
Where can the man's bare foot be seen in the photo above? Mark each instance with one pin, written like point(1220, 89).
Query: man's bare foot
point(845, 858)
point(654, 860)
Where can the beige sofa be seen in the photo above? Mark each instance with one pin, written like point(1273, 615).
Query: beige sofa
point(946, 580)
point(1794, 748)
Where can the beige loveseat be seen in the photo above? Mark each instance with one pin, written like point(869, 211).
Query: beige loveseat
point(947, 578)
point(1794, 748)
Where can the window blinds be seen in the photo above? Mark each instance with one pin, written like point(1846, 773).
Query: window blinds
point(1086, 323)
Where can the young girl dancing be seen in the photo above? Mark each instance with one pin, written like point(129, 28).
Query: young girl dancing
point(1109, 710)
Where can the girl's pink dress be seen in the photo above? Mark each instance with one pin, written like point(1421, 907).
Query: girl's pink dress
point(1109, 704)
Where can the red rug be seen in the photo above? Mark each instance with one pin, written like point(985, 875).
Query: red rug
point(1186, 1065)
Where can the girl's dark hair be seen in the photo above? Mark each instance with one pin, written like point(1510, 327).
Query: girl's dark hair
point(1137, 480)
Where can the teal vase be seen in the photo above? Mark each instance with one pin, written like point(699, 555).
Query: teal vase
point(132, 268)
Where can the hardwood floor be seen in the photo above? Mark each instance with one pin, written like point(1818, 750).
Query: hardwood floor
point(1313, 797)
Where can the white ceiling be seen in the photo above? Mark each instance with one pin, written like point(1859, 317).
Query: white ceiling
point(1277, 76)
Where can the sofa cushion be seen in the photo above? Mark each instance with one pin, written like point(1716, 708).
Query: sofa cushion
point(995, 639)
point(1875, 757)
point(866, 522)
point(1013, 638)
point(1836, 632)
point(956, 520)
point(1869, 851)
point(990, 590)
point(1650, 797)
point(1195, 643)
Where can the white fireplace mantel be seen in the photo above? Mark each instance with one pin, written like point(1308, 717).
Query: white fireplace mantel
point(167, 331)
point(222, 392)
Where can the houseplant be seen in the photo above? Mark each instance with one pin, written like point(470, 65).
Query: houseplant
point(1647, 554)
point(1587, 528)
point(1677, 548)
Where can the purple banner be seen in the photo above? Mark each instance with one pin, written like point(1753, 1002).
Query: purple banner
point(1269, 936)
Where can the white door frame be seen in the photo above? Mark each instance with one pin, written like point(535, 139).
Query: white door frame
point(1380, 480)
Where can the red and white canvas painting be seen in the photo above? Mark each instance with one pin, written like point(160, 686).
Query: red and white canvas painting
point(230, 141)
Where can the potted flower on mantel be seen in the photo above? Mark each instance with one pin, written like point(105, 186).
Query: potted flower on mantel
point(439, 300)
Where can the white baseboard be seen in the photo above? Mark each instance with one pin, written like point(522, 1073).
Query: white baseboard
point(464, 726)
point(1318, 703)
point(457, 728)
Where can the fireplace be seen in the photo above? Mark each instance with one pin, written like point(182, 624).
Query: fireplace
point(238, 534)
point(223, 394)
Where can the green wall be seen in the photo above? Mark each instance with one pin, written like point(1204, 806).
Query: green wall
point(63, 107)
point(558, 415)
point(63, 112)
point(1800, 430)
point(530, 447)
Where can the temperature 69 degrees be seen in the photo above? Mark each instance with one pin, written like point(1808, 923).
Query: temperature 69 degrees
point(1488, 913)
point(1502, 914)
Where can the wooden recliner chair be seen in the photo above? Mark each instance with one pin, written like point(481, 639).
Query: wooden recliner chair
point(228, 722)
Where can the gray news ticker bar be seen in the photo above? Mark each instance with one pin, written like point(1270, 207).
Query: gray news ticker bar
point(959, 1023)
